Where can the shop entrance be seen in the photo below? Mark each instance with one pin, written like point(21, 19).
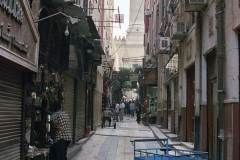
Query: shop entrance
point(190, 103)
point(212, 106)
point(169, 99)
point(11, 98)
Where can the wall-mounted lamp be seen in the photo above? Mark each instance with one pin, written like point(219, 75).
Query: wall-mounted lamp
point(69, 18)
point(67, 31)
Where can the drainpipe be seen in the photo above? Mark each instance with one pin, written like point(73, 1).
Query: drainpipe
point(220, 62)
point(198, 86)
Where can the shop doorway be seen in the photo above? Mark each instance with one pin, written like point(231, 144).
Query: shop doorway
point(89, 106)
point(11, 104)
point(169, 99)
point(190, 103)
point(176, 107)
point(239, 74)
point(211, 106)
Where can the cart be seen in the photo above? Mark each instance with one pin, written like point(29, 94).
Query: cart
point(165, 152)
point(105, 121)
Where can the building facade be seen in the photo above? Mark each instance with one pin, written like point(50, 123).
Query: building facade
point(129, 50)
point(50, 51)
point(196, 45)
point(19, 46)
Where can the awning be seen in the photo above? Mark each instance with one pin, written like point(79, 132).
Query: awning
point(83, 28)
point(73, 10)
point(76, 11)
point(96, 58)
point(92, 27)
point(99, 50)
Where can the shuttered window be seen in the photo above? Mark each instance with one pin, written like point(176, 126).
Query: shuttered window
point(69, 100)
point(80, 125)
point(11, 90)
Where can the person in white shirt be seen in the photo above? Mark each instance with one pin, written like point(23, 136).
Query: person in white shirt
point(121, 110)
point(117, 112)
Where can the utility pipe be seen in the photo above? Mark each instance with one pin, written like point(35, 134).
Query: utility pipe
point(198, 80)
point(220, 63)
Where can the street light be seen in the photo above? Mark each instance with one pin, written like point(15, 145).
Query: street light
point(69, 18)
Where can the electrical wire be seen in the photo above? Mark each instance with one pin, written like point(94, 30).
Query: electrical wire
point(130, 28)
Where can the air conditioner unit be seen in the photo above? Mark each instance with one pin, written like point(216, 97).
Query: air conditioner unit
point(69, 1)
point(178, 30)
point(163, 45)
point(148, 13)
point(195, 5)
point(63, 1)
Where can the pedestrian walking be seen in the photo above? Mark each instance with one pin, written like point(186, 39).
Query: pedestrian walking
point(62, 135)
point(107, 114)
point(117, 112)
point(138, 114)
point(153, 114)
point(113, 105)
point(121, 110)
point(132, 108)
point(126, 108)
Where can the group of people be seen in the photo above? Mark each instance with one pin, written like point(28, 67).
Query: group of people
point(130, 108)
point(126, 108)
point(60, 121)
point(118, 110)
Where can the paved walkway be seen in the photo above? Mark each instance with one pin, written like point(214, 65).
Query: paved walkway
point(114, 144)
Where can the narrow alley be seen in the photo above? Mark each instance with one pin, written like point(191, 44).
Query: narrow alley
point(65, 65)
point(114, 144)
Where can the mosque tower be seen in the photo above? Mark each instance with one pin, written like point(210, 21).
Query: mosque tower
point(136, 17)
point(131, 45)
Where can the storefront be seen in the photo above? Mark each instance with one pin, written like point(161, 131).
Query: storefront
point(11, 102)
point(18, 62)
point(64, 73)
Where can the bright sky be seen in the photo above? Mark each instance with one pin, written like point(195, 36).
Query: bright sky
point(124, 9)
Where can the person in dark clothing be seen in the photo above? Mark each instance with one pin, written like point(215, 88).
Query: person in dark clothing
point(138, 114)
point(126, 108)
point(113, 105)
point(129, 112)
point(62, 134)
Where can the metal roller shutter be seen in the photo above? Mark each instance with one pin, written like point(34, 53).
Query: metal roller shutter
point(80, 125)
point(11, 90)
point(69, 100)
point(176, 104)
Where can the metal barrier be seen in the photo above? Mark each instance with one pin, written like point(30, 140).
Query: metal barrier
point(165, 152)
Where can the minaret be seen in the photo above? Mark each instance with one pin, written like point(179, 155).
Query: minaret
point(136, 16)
point(133, 43)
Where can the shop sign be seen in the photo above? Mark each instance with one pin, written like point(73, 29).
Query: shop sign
point(20, 45)
point(13, 8)
point(133, 77)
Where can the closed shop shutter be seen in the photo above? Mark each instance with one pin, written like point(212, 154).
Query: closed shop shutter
point(69, 100)
point(169, 105)
point(11, 84)
point(80, 125)
point(176, 104)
